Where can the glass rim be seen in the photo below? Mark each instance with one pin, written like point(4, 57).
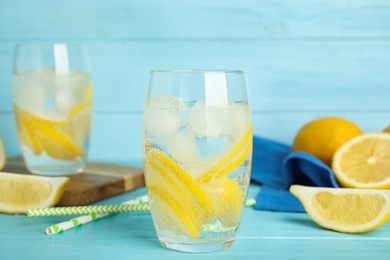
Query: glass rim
point(198, 71)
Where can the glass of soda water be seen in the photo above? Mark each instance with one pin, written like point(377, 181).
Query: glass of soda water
point(197, 148)
point(52, 98)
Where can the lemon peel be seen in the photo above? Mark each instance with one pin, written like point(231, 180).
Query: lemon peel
point(176, 208)
point(323, 136)
point(234, 158)
point(159, 176)
point(183, 177)
point(50, 136)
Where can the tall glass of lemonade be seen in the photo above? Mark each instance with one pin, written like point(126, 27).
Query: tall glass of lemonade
point(52, 91)
point(197, 156)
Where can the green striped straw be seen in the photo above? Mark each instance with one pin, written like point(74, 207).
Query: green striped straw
point(82, 210)
point(110, 209)
point(75, 222)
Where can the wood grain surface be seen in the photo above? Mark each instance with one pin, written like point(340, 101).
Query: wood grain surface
point(98, 181)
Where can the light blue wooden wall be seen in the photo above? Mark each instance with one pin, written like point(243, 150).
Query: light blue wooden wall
point(302, 58)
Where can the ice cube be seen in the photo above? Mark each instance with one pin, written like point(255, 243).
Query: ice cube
point(64, 100)
point(166, 101)
point(183, 148)
point(163, 115)
point(206, 121)
point(29, 94)
point(238, 121)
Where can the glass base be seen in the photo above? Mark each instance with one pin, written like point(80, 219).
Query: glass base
point(55, 171)
point(198, 248)
point(45, 165)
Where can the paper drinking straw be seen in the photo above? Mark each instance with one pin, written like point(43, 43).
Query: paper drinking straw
point(111, 209)
point(75, 222)
point(82, 210)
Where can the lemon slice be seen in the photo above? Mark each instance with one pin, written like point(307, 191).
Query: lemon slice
point(227, 198)
point(180, 176)
point(234, 158)
point(52, 118)
point(50, 136)
point(184, 199)
point(18, 192)
point(2, 154)
point(345, 210)
point(56, 143)
point(159, 176)
point(364, 162)
point(170, 214)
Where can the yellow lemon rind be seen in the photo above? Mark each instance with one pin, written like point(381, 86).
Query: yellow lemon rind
point(175, 206)
point(228, 164)
point(159, 176)
point(184, 177)
point(28, 117)
point(63, 139)
point(306, 194)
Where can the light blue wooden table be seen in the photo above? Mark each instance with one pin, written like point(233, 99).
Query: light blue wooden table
point(263, 235)
point(303, 59)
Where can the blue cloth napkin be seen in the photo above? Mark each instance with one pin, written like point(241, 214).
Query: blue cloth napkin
point(276, 167)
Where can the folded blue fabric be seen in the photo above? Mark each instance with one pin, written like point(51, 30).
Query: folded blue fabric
point(276, 168)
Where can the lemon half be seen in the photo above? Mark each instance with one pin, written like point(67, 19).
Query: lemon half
point(364, 162)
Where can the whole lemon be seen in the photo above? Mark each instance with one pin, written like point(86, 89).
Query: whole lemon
point(323, 136)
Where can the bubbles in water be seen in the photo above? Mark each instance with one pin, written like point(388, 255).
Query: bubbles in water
point(183, 147)
point(163, 115)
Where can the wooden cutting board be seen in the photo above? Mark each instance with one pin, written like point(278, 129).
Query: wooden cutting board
point(98, 181)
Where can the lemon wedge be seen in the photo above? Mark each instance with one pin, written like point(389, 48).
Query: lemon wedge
point(19, 192)
point(364, 162)
point(345, 210)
